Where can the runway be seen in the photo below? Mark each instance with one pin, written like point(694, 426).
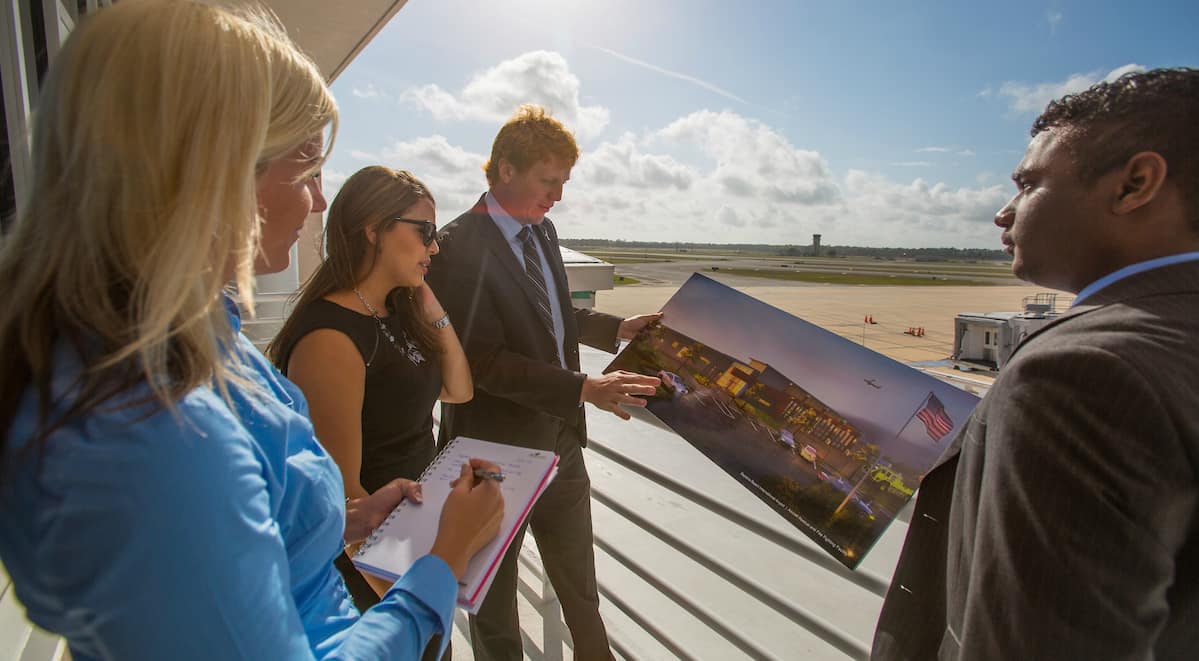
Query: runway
point(843, 308)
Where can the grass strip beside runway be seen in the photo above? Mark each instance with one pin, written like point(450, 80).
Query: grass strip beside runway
point(856, 278)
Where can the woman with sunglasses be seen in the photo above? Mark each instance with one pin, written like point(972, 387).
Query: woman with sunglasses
point(369, 344)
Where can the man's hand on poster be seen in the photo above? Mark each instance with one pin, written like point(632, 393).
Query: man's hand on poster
point(611, 391)
point(633, 325)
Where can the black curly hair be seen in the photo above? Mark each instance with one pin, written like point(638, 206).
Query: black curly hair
point(1154, 111)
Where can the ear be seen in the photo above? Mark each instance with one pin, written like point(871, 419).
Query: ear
point(372, 234)
point(1140, 181)
point(507, 170)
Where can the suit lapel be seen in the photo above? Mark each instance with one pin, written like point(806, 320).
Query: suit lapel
point(502, 251)
point(954, 448)
point(549, 246)
point(1172, 279)
point(1068, 314)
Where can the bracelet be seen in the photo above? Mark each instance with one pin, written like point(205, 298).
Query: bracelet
point(442, 323)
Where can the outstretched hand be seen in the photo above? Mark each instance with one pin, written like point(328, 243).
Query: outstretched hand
point(633, 325)
point(365, 514)
point(471, 517)
point(612, 391)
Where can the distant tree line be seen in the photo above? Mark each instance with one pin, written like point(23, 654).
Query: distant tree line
point(765, 249)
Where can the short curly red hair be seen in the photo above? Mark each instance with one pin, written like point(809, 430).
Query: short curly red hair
point(529, 137)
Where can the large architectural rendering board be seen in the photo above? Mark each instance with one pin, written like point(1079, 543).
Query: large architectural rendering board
point(831, 435)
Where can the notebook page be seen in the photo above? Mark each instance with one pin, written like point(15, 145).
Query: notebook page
point(410, 531)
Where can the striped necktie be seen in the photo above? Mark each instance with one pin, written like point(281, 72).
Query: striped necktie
point(533, 270)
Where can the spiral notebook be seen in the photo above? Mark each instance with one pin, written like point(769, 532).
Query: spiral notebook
point(408, 533)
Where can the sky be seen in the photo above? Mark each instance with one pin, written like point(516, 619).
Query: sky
point(830, 367)
point(872, 123)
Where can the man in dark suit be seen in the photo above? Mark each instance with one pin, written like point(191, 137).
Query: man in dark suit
point(1063, 521)
point(501, 278)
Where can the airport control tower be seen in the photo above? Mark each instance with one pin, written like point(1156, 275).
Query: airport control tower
point(815, 245)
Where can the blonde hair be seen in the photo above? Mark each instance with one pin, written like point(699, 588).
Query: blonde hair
point(153, 123)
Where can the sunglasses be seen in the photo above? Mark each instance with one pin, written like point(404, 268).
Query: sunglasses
point(428, 229)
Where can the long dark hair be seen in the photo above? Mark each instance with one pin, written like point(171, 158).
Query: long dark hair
point(373, 197)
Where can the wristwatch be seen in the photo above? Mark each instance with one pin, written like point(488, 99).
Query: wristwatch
point(442, 323)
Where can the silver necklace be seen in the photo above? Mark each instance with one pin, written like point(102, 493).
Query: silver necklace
point(409, 349)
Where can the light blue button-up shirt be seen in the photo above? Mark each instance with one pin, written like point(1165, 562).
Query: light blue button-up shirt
point(1130, 270)
point(207, 533)
point(510, 227)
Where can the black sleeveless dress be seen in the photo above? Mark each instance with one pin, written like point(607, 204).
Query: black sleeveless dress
point(402, 385)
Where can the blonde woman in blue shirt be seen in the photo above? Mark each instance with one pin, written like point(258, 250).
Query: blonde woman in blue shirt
point(161, 491)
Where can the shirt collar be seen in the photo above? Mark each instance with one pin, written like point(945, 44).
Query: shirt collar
point(233, 311)
point(508, 225)
point(1133, 269)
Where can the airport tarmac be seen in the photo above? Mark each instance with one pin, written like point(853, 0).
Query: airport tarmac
point(843, 308)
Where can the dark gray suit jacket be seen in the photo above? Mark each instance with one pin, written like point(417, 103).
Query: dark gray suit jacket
point(1061, 522)
point(522, 396)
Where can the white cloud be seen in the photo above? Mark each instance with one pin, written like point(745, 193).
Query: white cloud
point(673, 74)
point(724, 178)
point(540, 77)
point(435, 154)
point(937, 150)
point(1054, 18)
point(727, 216)
point(707, 176)
point(894, 213)
point(1034, 97)
point(453, 174)
point(1120, 71)
point(752, 159)
point(623, 163)
point(368, 92)
point(940, 150)
point(331, 181)
point(750, 184)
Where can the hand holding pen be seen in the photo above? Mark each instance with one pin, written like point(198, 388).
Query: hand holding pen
point(470, 517)
point(495, 476)
point(482, 470)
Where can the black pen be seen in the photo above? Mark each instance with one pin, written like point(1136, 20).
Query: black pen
point(489, 475)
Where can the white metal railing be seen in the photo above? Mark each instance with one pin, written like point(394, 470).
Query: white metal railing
point(632, 499)
point(20, 640)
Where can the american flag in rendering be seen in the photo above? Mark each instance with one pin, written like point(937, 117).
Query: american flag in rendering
point(936, 421)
